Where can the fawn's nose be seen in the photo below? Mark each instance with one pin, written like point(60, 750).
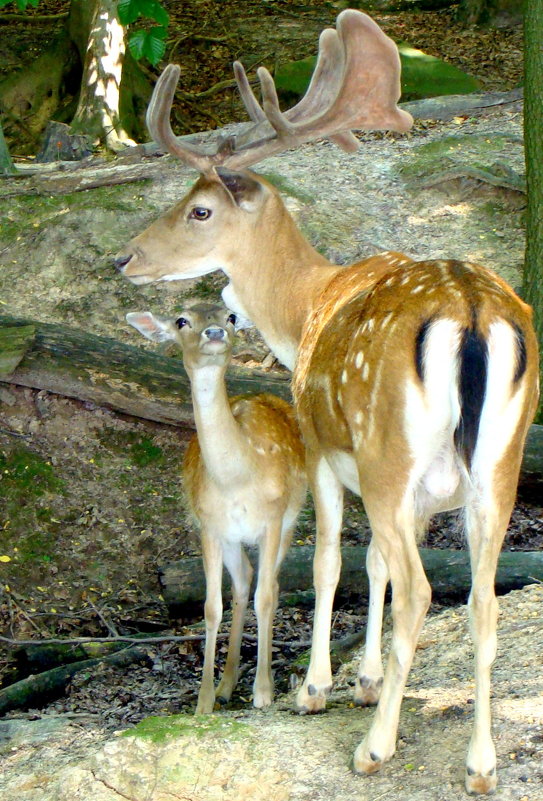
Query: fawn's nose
point(215, 334)
point(121, 262)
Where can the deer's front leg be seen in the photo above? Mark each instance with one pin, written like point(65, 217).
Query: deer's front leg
point(241, 573)
point(370, 672)
point(212, 558)
point(328, 498)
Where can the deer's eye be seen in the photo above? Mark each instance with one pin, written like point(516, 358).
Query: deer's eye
point(200, 213)
point(232, 319)
point(181, 322)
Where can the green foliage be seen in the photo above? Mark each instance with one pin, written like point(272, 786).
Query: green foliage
point(427, 76)
point(149, 43)
point(130, 10)
point(21, 4)
point(146, 42)
point(26, 473)
point(422, 76)
point(145, 452)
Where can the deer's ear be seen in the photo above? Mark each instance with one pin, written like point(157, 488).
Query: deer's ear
point(245, 191)
point(153, 328)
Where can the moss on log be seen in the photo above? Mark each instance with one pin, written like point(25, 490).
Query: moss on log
point(36, 691)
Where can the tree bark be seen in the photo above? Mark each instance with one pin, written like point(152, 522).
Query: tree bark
point(183, 582)
point(533, 137)
point(48, 87)
point(6, 164)
point(97, 114)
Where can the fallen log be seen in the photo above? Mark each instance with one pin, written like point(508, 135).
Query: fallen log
point(37, 690)
point(101, 370)
point(183, 582)
point(446, 107)
point(71, 362)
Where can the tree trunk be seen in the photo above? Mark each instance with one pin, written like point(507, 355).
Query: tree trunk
point(6, 164)
point(533, 137)
point(97, 114)
point(48, 87)
point(183, 582)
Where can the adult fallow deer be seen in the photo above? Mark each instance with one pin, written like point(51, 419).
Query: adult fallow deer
point(244, 479)
point(415, 382)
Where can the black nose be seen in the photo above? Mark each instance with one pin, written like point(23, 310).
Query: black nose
point(215, 333)
point(121, 262)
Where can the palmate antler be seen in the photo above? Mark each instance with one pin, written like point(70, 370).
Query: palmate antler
point(355, 85)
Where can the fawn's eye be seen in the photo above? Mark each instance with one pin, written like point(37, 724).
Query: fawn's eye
point(181, 322)
point(232, 319)
point(200, 213)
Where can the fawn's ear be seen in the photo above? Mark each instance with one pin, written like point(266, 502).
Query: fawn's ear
point(153, 328)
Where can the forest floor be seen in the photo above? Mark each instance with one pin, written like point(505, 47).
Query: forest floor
point(68, 525)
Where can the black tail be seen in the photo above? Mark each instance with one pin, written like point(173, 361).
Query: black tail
point(473, 355)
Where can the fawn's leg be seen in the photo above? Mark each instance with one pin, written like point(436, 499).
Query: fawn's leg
point(267, 589)
point(241, 572)
point(212, 558)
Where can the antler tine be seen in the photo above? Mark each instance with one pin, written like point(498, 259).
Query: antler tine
point(371, 87)
point(253, 107)
point(356, 85)
point(326, 79)
point(159, 126)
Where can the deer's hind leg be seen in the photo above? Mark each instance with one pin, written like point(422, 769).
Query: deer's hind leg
point(486, 524)
point(370, 672)
point(394, 527)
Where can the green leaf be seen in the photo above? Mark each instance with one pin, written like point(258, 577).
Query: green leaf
point(136, 43)
point(21, 4)
point(128, 11)
point(149, 44)
point(154, 10)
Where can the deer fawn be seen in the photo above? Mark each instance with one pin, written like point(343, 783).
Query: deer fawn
point(245, 483)
point(415, 382)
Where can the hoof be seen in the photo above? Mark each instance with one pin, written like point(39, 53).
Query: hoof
point(366, 763)
point(262, 700)
point(479, 784)
point(311, 699)
point(367, 691)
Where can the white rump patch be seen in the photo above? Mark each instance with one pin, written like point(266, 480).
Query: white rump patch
point(432, 411)
point(502, 407)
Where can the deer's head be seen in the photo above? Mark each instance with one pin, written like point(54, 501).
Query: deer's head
point(355, 85)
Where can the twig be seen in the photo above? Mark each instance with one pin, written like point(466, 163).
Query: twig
point(143, 640)
point(109, 626)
